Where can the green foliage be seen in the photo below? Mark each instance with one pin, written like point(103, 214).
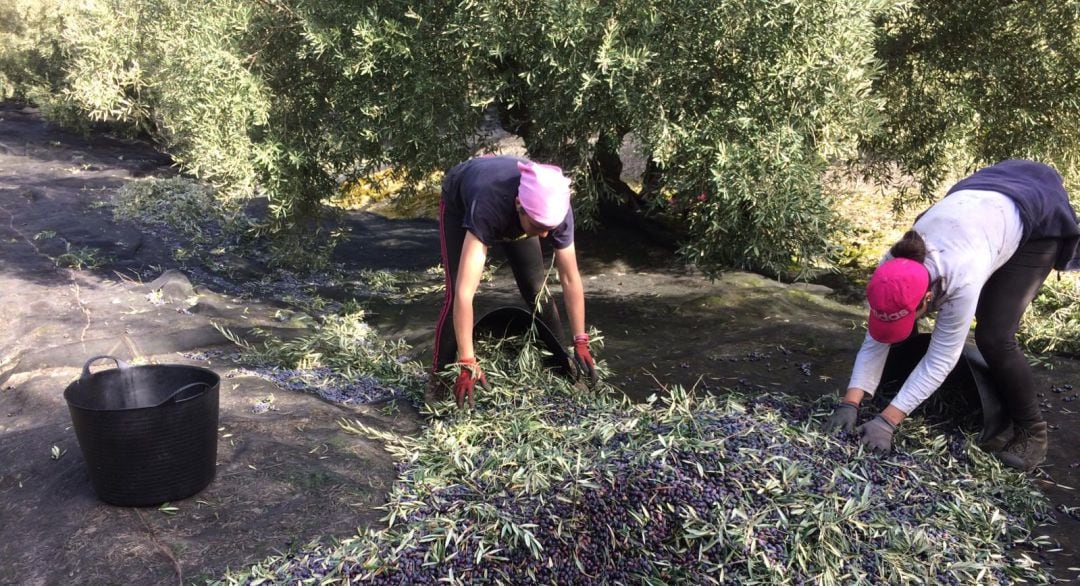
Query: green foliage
point(972, 83)
point(174, 69)
point(1052, 323)
point(344, 343)
point(82, 258)
point(541, 473)
point(759, 212)
point(709, 90)
point(746, 102)
point(231, 89)
point(777, 94)
point(31, 48)
point(303, 146)
point(183, 205)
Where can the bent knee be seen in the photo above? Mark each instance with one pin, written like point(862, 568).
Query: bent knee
point(995, 343)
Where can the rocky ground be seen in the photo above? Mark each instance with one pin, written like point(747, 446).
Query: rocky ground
point(78, 283)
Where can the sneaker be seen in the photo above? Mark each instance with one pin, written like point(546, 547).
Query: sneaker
point(1027, 449)
point(999, 441)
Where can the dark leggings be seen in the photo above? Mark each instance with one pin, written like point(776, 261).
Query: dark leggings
point(526, 260)
point(1002, 302)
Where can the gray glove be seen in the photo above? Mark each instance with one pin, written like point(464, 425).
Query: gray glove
point(877, 434)
point(843, 417)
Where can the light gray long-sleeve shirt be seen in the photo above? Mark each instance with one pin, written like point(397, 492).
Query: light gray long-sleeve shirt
point(969, 235)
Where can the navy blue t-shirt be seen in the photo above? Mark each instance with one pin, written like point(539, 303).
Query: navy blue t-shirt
point(1039, 194)
point(482, 192)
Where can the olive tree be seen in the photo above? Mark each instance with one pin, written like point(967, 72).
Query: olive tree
point(971, 83)
point(738, 106)
point(31, 49)
point(233, 90)
point(172, 69)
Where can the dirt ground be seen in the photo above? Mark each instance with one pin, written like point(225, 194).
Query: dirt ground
point(288, 476)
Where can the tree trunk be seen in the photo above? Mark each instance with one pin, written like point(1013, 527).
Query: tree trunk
point(627, 207)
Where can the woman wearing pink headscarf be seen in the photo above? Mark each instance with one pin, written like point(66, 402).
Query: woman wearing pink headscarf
point(515, 203)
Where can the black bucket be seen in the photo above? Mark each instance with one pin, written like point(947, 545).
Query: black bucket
point(516, 321)
point(969, 383)
point(148, 433)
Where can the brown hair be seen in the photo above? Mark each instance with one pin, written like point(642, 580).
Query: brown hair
point(910, 246)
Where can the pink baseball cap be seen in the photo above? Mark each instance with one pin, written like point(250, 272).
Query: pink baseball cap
point(544, 193)
point(894, 293)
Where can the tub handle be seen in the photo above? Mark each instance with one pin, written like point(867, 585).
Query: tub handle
point(176, 396)
point(86, 367)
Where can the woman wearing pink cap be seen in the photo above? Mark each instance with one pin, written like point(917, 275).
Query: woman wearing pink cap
point(512, 202)
point(981, 253)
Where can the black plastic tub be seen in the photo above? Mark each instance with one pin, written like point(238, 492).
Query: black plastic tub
point(148, 433)
point(971, 377)
point(516, 321)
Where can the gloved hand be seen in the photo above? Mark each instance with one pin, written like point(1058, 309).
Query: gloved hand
point(586, 366)
point(877, 434)
point(466, 381)
point(843, 417)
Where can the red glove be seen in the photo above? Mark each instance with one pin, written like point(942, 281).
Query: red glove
point(586, 366)
point(466, 381)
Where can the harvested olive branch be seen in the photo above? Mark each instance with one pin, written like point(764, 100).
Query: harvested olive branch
point(82, 306)
point(544, 483)
point(343, 360)
point(231, 335)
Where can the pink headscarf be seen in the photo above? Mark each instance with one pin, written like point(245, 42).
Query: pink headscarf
point(544, 192)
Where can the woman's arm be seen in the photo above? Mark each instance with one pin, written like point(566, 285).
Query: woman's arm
point(473, 255)
point(866, 373)
point(573, 291)
point(951, 329)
